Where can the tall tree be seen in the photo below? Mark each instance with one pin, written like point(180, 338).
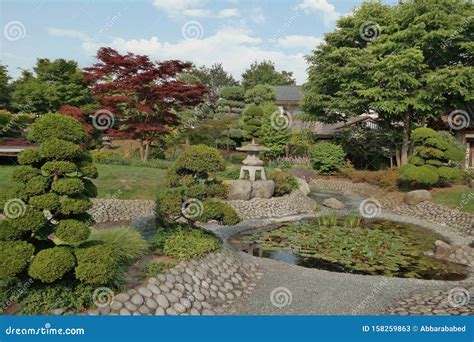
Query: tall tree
point(52, 85)
point(143, 95)
point(408, 62)
point(265, 73)
point(5, 87)
point(231, 101)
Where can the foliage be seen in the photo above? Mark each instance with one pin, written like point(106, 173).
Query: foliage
point(15, 257)
point(199, 161)
point(158, 240)
point(135, 87)
point(5, 87)
point(275, 130)
point(185, 244)
point(205, 190)
point(53, 84)
point(53, 125)
point(425, 174)
point(285, 182)
point(261, 93)
point(51, 264)
point(158, 267)
point(327, 157)
point(127, 244)
point(386, 179)
point(265, 73)
point(96, 264)
point(251, 122)
point(168, 204)
point(72, 231)
point(219, 211)
point(231, 100)
point(12, 124)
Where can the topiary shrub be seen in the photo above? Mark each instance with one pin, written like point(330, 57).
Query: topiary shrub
point(168, 204)
point(58, 168)
point(449, 175)
point(204, 190)
point(37, 185)
point(56, 149)
point(424, 174)
point(22, 174)
point(15, 257)
point(219, 211)
point(251, 122)
point(199, 161)
point(51, 264)
point(327, 158)
point(95, 265)
point(48, 201)
point(30, 156)
point(72, 231)
point(285, 182)
point(56, 126)
point(185, 244)
point(68, 186)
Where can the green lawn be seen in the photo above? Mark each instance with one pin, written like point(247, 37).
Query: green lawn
point(461, 198)
point(115, 181)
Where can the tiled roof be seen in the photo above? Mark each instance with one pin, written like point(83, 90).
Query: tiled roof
point(288, 93)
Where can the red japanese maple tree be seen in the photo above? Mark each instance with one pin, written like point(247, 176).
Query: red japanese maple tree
point(142, 95)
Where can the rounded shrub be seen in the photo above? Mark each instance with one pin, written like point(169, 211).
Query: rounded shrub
point(55, 149)
point(416, 160)
point(430, 152)
point(31, 220)
point(77, 205)
point(199, 160)
point(168, 204)
point(90, 190)
point(421, 175)
point(219, 211)
point(51, 264)
point(252, 120)
point(327, 157)
point(449, 175)
point(23, 174)
point(95, 265)
point(8, 232)
point(14, 256)
point(59, 168)
point(184, 244)
point(68, 186)
point(30, 156)
point(48, 201)
point(423, 133)
point(72, 231)
point(285, 182)
point(203, 190)
point(434, 162)
point(37, 185)
point(89, 170)
point(57, 126)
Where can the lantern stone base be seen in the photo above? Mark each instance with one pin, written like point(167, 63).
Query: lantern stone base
point(246, 189)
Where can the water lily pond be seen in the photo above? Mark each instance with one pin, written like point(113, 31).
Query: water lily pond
point(349, 245)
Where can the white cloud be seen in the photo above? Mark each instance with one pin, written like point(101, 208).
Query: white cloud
point(257, 16)
point(235, 48)
point(296, 41)
point(229, 12)
point(189, 8)
point(324, 6)
point(56, 32)
point(196, 12)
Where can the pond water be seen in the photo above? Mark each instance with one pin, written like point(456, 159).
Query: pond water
point(352, 246)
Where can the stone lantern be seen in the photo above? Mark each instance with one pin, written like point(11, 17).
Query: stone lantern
point(246, 188)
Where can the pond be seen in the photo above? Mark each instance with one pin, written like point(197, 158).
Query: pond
point(352, 246)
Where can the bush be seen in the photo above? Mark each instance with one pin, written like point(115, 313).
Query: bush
point(157, 242)
point(416, 160)
point(387, 178)
point(95, 265)
point(285, 182)
point(68, 186)
point(58, 168)
point(168, 204)
point(37, 185)
point(56, 126)
point(251, 123)
point(89, 170)
point(449, 175)
point(14, 256)
point(48, 201)
point(158, 267)
point(72, 231)
point(419, 175)
point(22, 174)
point(31, 221)
point(203, 190)
point(127, 244)
point(51, 264)
point(30, 156)
point(56, 149)
point(327, 157)
point(185, 244)
point(43, 300)
point(199, 161)
point(219, 211)
point(74, 205)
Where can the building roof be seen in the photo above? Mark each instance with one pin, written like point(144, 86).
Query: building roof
point(288, 93)
point(324, 130)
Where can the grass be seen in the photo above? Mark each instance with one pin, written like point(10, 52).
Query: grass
point(461, 198)
point(114, 181)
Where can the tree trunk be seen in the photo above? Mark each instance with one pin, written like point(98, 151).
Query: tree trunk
point(147, 150)
point(397, 157)
point(187, 142)
point(406, 140)
point(142, 152)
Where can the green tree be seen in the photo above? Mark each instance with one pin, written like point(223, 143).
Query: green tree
point(231, 101)
point(5, 87)
point(275, 133)
point(251, 122)
point(265, 73)
point(259, 94)
point(52, 85)
point(408, 62)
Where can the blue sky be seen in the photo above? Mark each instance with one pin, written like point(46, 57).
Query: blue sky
point(234, 32)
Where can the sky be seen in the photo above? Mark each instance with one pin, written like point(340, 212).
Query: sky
point(232, 32)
